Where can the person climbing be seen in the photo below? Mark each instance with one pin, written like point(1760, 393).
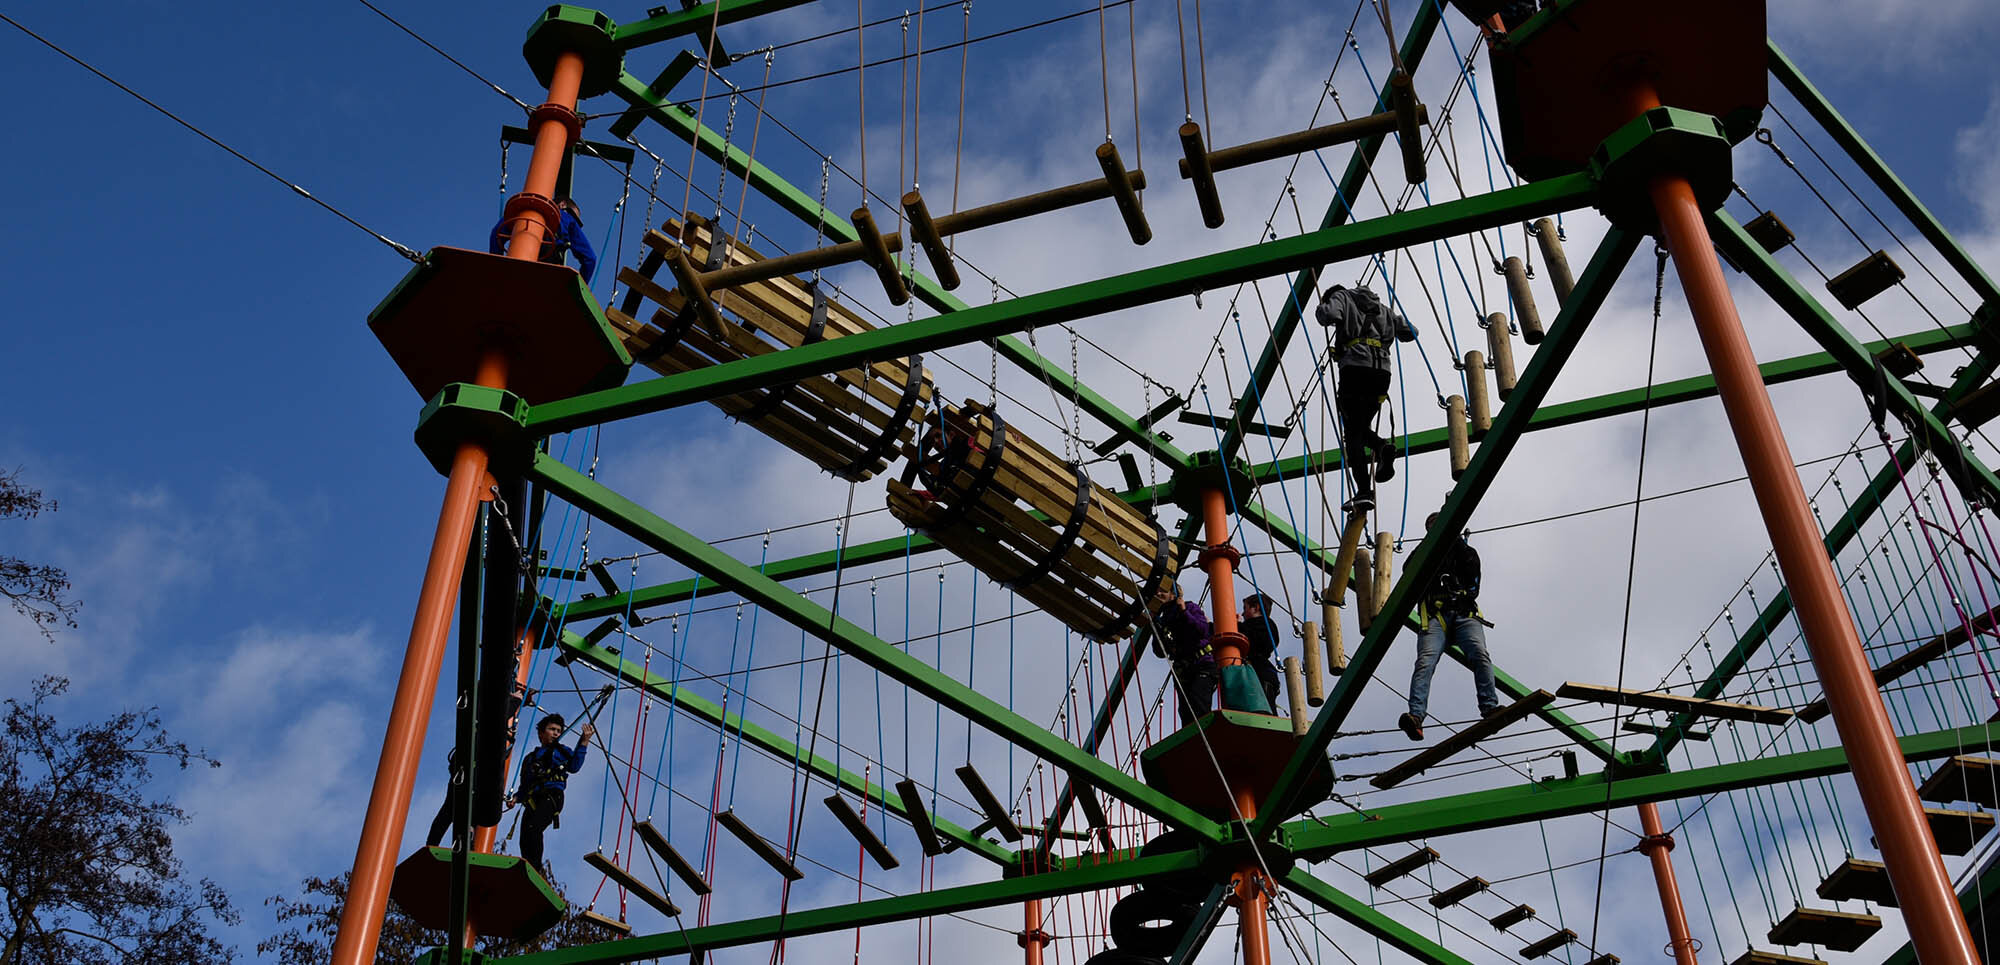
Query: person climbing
point(545, 773)
point(1361, 327)
point(1180, 633)
point(1262, 635)
point(441, 825)
point(569, 237)
point(1449, 614)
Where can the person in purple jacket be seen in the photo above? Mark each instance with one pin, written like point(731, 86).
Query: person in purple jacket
point(1180, 633)
point(569, 237)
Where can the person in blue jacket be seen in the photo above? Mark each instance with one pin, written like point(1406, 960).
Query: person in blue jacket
point(545, 773)
point(569, 237)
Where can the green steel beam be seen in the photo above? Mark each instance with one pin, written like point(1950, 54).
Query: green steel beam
point(680, 23)
point(1280, 530)
point(815, 921)
point(1589, 793)
point(1819, 323)
point(1632, 400)
point(1563, 335)
point(573, 645)
point(1360, 166)
point(807, 208)
point(1878, 171)
point(1084, 300)
point(1886, 481)
point(1364, 916)
point(731, 574)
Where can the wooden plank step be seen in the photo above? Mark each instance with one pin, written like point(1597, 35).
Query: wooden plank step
point(756, 843)
point(1459, 892)
point(627, 881)
point(1636, 727)
point(1675, 703)
point(606, 922)
point(1957, 831)
point(919, 815)
point(681, 867)
point(1400, 867)
point(1964, 778)
point(1479, 730)
point(1758, 956)
point(1562, 936)
point(1858, 879)
point(1841, 931)
point(1605, 959)
point(862, 833)
point(1511, 917)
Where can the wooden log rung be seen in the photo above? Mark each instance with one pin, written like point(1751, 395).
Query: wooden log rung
point(680, 866)
point(1561, 937)
point(1500, 344)
point(862, 833)
point(1123, 192)
point(1523, 298)
point(1459, 892)
point(919, 815)
point(1673, 703)
point(1299, 142)
point(1841, 931)
point(1473, 733)
point(627, 881)
point(757, 845)
point(1548, 237)
point(1198, 167)
point(1400, 867)
point(995, 811)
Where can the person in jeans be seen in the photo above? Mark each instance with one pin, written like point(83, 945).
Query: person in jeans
point(1449, 614)
point(1180, 633)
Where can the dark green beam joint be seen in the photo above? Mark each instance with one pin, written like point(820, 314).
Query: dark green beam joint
point(1664, 140)
point(663, 24)
point(563, 28)
point(463, 412)
point(1208, 470)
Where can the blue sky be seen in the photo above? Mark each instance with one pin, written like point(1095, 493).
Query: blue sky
point(189, 372)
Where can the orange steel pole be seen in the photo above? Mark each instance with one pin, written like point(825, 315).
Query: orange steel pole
point(1032, 936)
point(409, 715)
point(1657, 843)
point(1937, 926)
point(1219, 559)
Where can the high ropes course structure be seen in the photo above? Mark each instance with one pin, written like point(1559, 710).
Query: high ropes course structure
point(773, 733)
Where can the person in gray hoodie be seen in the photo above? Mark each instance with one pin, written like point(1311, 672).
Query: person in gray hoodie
point(1362, 328)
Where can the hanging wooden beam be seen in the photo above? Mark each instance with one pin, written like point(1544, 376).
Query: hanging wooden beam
point(1400, 867)
point(919, 814)
point(627, 881)
point(607, 923)
point(925, 231)
point(1311, 667)
point(1842, 931)
point(859, 828)
point(1957, 831)
point(1197, 166)
point(1295, 143)
point(1673, 703)
point(1474, 733)
point(1511, 917)
point(1549, 238)
point(692, 287)
point(1478, 403)
point(1124, 192)
point(1857, 879)
point(1964, 778)
point(1409, 114)
point(1563, 936)
point(1500, 341)
point(996, 812)
point(756, 843)
point(1457, 433)
point(1523, 298)
point(875, 252)
point(681, 867)
point(1459, 892)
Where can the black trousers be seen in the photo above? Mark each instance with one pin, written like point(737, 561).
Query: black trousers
point(543, 808)
point(1195, 694)
point(1359, 400)
point(441, 825)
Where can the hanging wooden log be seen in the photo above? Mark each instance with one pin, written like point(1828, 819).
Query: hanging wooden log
point(925, 231)
point(1343, 562)
point(1549, 239)
point(1125, 192)
point(1455, 431)
point(1478, 404)
point(1195, 167)
point(681, 867)
point(852, 821)
point(1336, 651)
point(1364, 588)
point(1872, 276)
point(875, 252)
point(1310, 666)
point(1032, 522)
point(757, 845)
point(1409, 114)
point(1385, 569)
point(1523, 298)
point(1295, 695)
point(850, 422)
point(1500, 339)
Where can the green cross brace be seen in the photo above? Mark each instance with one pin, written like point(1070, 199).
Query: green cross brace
point(680, 23)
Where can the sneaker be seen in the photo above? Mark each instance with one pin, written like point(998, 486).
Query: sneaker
point(1411, 726)
point(1490, 712)
point(1385, 470)
point(1358, 504)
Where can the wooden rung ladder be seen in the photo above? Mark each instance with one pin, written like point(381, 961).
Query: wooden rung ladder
point(850, 422)
point(1033, 522)
point(1842, 931)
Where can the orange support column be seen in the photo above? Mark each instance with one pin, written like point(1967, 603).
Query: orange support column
point(533, 214)
point(1657, 843)
point(1251, 897)
point(1937, 926)
point(1032, 938)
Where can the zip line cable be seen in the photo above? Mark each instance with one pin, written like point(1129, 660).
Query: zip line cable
point(401, 249)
